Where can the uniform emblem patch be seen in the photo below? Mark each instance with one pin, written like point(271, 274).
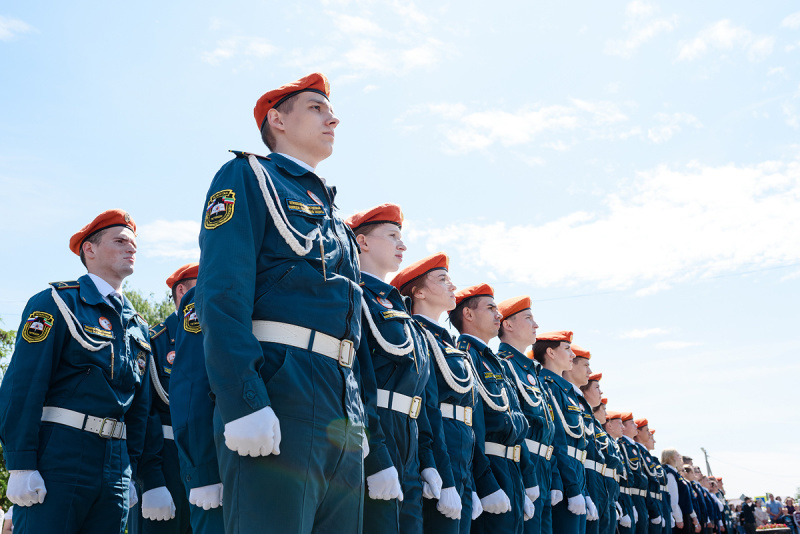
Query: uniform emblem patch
point(531, 379)
point(170, 357)
point(141, 362)
point(219, 209)
point(190, 322)
point(395, 314)
point(314, 197)
point(308, 209)
point(105, 323)
point(386, 303)
point(37, 327)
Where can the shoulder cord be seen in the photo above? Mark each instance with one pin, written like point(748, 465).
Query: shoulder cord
point(567, 428)
point(278, 215)
point(603, 444)
point(588, 430)
point(84, 340)
point(634, 464)
point(652, 473)
point(396, 350)
point(448, 375)
point(521, 387)
point(163, 395)
point(485, 393)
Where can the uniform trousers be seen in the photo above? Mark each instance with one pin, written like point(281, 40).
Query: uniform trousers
point(643, 523)
point(180, 524)
point(565, 521)
point(509, 477)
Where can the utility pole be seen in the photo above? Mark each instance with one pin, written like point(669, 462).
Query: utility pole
point(708, 465)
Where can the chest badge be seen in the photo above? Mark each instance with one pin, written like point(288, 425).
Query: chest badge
point(314, 197)
point(141, 362)
point(219, 209)
point(37, 327)
point(105, 323)
point(170, 357)
point(531, 379)
point(386, 303)
point(190, 322)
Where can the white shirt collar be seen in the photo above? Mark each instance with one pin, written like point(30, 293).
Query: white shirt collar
point(429, 319)
point(577, 390)
point(372, 275)
point(303, 164)
point(629, 439)
point(103, 287)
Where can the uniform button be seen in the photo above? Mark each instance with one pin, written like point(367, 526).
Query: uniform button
point(188, 478)
point(250, 395)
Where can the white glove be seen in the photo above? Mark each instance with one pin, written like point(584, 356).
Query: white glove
point(625, 521)
point(532, 493)
point(556, 497)
point(635, 516)
point(673, 521)
point(619, 510)
point(528, 508)
point(657, 520)
point(477, 507)
point(133, 497)
point(450, 503)
point(431, 483)
point(496, 503)
point(385, 485)
point(157, 504)
point(25, 487)
point(591, 510)
point(206, 497)
point(577, 504)
point(364, 446)
point(257, 434)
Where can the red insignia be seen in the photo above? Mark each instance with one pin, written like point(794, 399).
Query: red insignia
point(105, 323)
point(314, 197)
point(170, 357)
point(531, 379)
point(386, 303)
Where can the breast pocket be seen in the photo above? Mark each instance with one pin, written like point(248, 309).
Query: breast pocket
point(135, 364)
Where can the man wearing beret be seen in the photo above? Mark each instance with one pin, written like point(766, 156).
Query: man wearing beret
point(75, 396)
point(613, 426)
point(279, 304)
point(638, 484)
point(653, 472)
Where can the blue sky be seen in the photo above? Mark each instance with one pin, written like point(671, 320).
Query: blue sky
point(634, 167)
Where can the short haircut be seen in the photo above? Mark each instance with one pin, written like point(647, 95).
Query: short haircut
point(176, 284)
point(266, 131)
point(457, 315)
point(540, 349)
point(94, 239)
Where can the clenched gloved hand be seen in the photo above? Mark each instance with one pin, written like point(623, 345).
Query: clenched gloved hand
point(450, 503)
point(591, 510)
point(256, 434)
point(477, 507)
point(532, 493)
point(431, 483)
point(206, 497)
point(496, 503)
point(528, 509)
point(25, 487)
point(133, 497)
point(556, 497)
point(577, 504)
point(385, 485)
point(157, 504)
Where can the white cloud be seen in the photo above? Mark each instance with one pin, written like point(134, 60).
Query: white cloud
point(667, 227)
point(776, 70)
point(723, 35)
point(169, 239)
point(641, 28)
point(355, 25)
point(671, 124)
point(239, 46)
point(676, 345)
point(792, 21)
point(643, 333)
point(11, 28)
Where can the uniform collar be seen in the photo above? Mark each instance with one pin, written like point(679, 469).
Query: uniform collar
point(559, 380)
point(472, 340)
point(435, 328)
point(90, 293)
point(302, 163)
point(630, 440)
point(525, 362)
point(376, 285)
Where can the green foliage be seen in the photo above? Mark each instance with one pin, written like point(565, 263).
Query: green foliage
point(153, 310)
point(7, 338)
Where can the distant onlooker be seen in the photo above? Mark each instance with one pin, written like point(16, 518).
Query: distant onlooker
point(774, 509)
point(8, 522)
point(761, 516)
point(747, 516)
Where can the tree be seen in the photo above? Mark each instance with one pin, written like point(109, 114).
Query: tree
point(7, 338)
point(149, 307)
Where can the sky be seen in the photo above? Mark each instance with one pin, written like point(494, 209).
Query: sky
point(634, 167)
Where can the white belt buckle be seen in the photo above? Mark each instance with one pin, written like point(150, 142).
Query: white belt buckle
point(517, 453)
point(583, 456)
point(468, 415)
point(549, 453)
point(101, 431)
point(346, 358)
point(416, 404)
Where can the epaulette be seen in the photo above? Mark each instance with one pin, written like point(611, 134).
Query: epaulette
point(505, 354)
point(547, 378)
point(154, 333)
point(142, 321)
point(240, 154)
point(66, 285)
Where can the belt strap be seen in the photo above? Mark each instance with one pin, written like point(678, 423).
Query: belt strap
point(105, 427)
point(168, 432)
point(341, 350)
point(498, 449)
point(400, 403)
point(595, 466)
point(545, 451)
point(459, 413)
point(576, 453)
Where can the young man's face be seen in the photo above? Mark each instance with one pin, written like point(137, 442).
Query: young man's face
point(593, 394)
point(114, 255)
point(579, 374)
point(385, 246)
point(308, 129)
point(629, 428)
point(485, 318)
point(524, 326)
point(614, 428)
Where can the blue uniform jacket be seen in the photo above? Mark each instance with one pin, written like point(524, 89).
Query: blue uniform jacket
point(653, 484)
point(627, 478)
point(638, 478)
point(190, 402)
point(251, 272)
point(595, 481)
point(50, 368)
point(508, 427)
point(571, 471)
point(608, 447)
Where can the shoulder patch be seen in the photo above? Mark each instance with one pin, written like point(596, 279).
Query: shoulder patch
point(74, 284)
point(190, 322)
point(219, 209)
point(241, 154)
point(157, 330)
point(297, 206)
point(37, 327)
point(394, 314)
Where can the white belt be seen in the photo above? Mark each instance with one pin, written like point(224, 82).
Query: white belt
point(638, 492)
point(541, 449)
point(298, 336)
point(655, 495)
point(576, 453)
point(595, 466)
point(459, 413)
point(624, 491)
point(498, 449)
point(105, 427)
point(612, 473)
point(168, 432)
point(664, 488)
point(400, 403)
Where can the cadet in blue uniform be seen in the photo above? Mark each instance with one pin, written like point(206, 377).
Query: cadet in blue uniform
point(625, 476)
point(428, 285)
point(653, 499)
point(608, 446)
point(517, 333)
point(638, 485)
point(552, 351)
point(163, 462)
point(395, 371)
point(279, 304)
point(499, 424)
point(192, 422)
point(75, 396)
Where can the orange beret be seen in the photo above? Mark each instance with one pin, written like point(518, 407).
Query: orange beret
point(107, 219)
point(481, 290)
point(596, 376)
point(652, 430)
point(509, 307)
point(183, 273)
point(627, 416)
point(560, 335)
point(613, 415)
point(385, 213)
point(580, 352)
point(641, 422)
point(529, 354)
point(604, 400)
point(420, 268)
point(315, 82)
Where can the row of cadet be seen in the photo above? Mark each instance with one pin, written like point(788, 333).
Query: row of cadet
point(296, 391)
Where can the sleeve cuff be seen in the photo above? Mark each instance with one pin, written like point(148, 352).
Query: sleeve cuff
point(242, 399)
point(201, 475)
point(23, 460)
